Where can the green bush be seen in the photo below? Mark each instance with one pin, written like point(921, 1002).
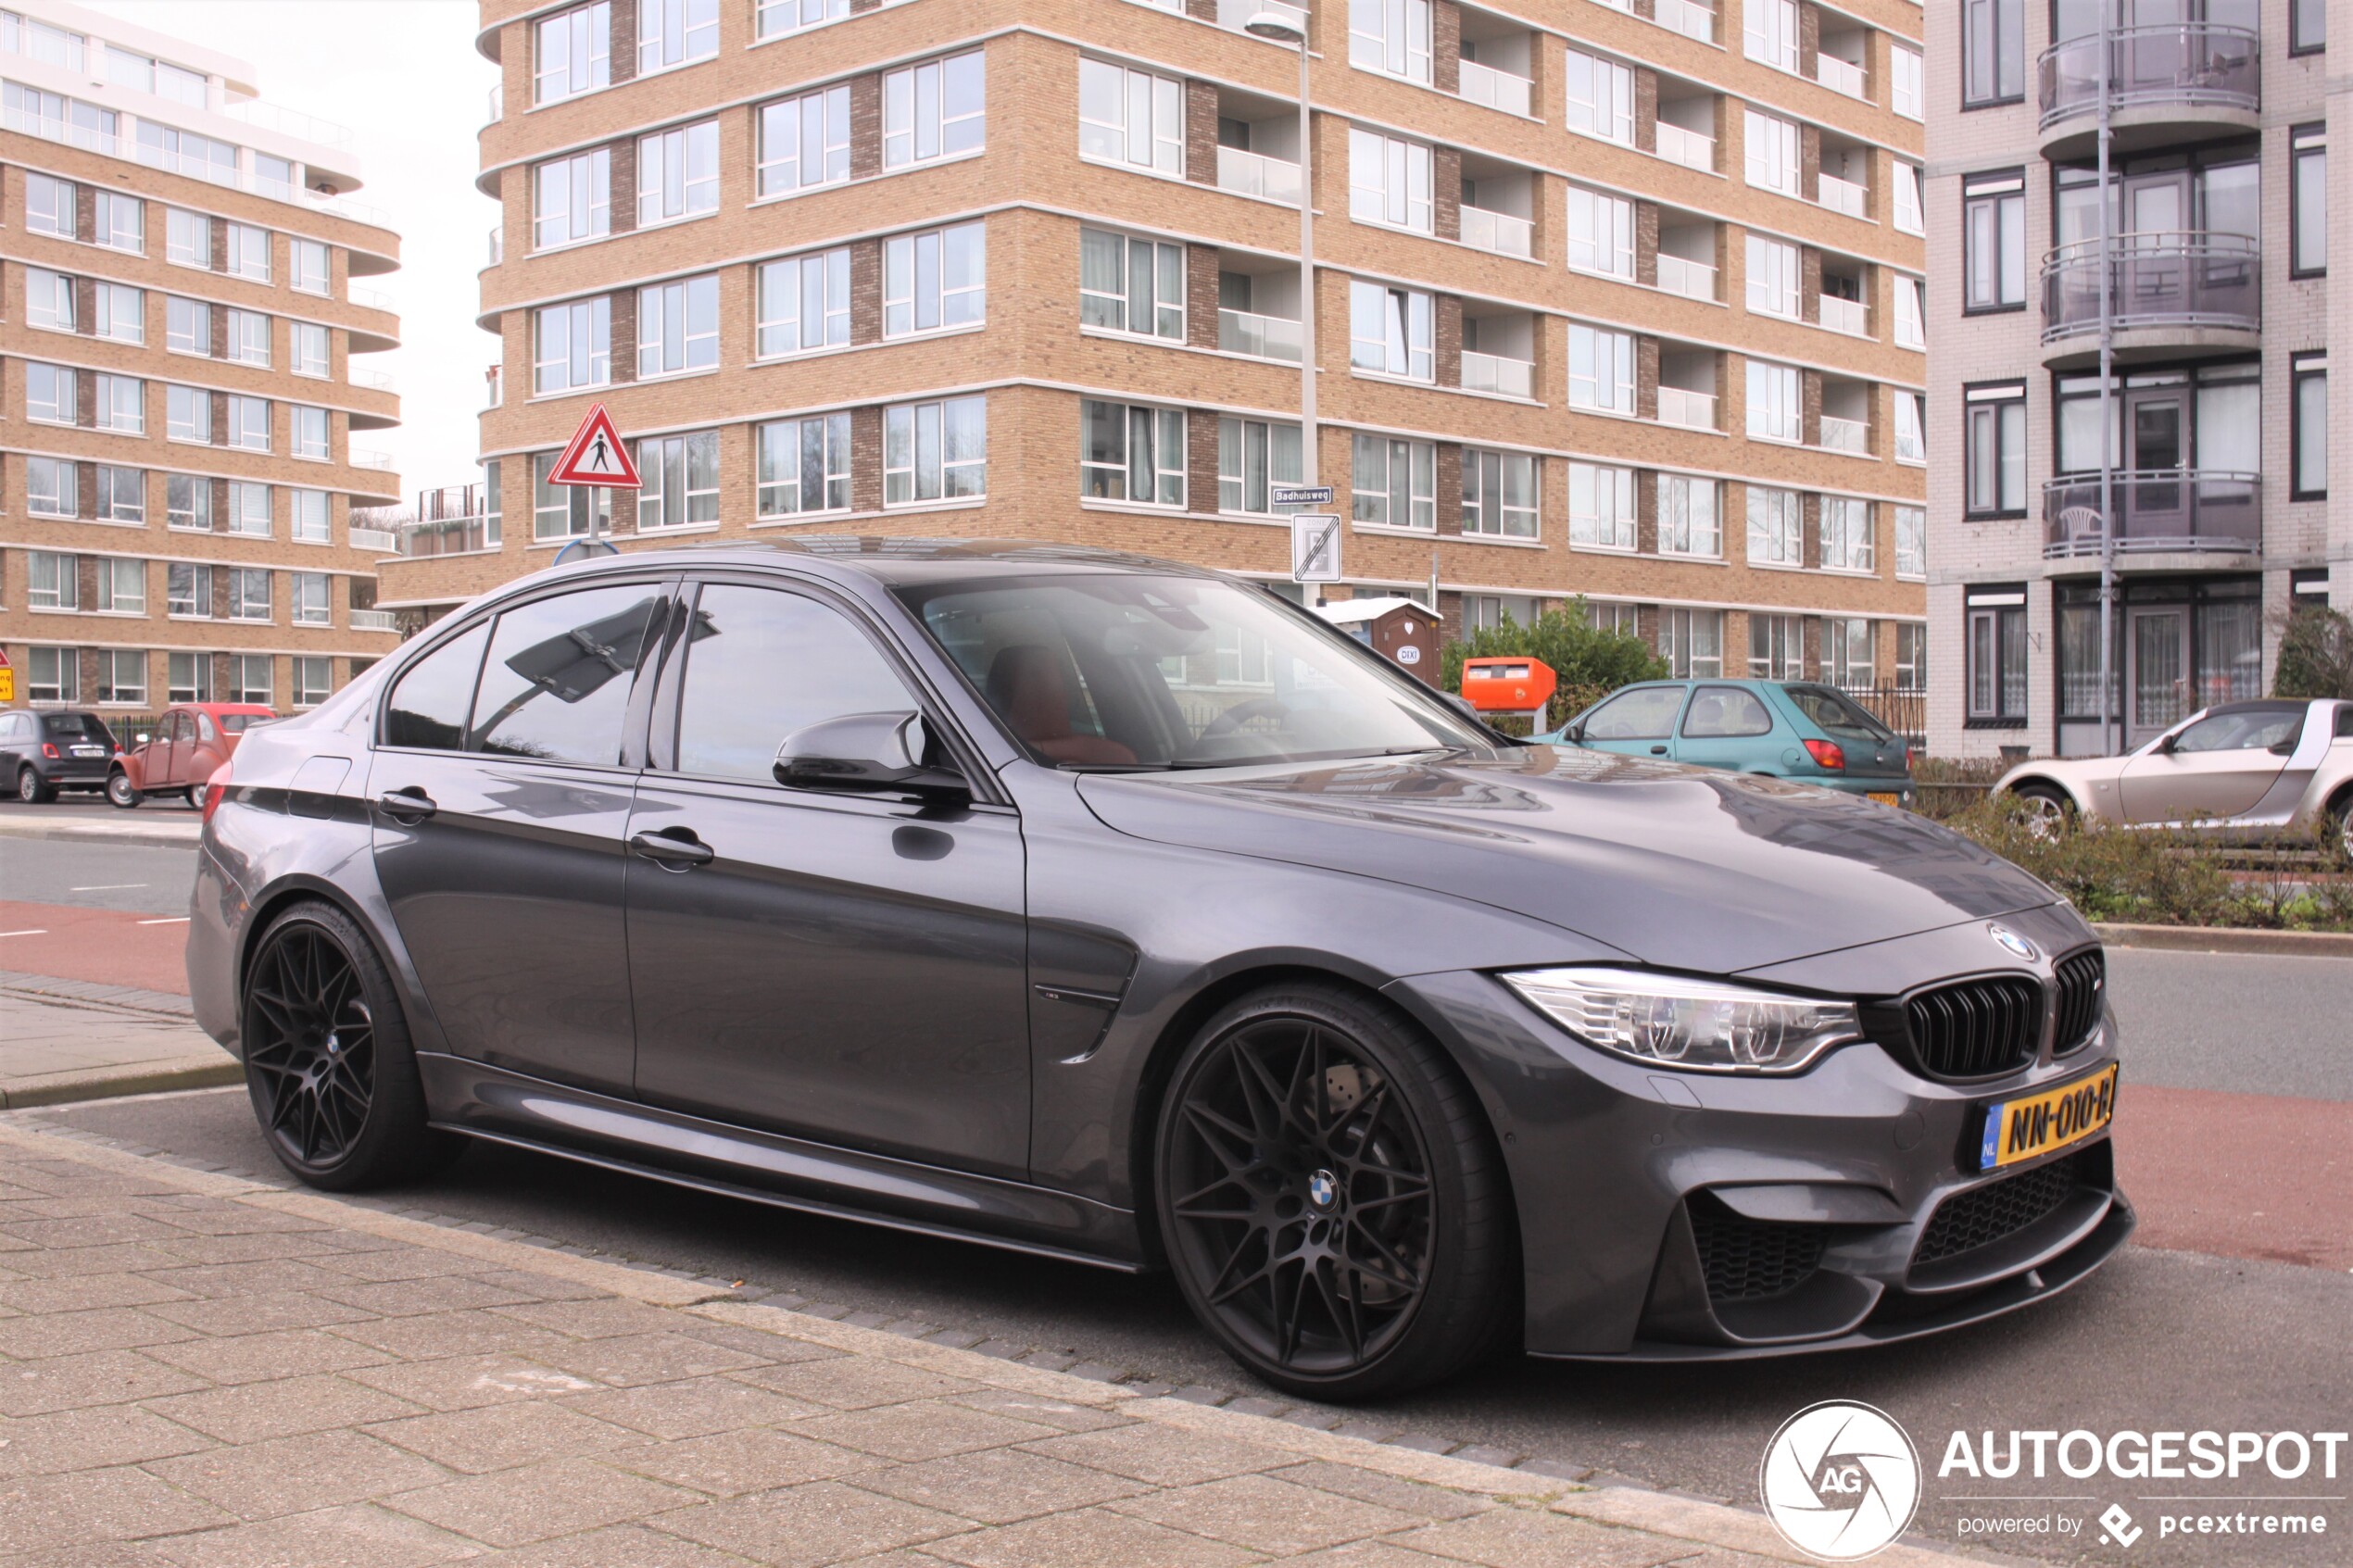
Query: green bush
point(1589, 662)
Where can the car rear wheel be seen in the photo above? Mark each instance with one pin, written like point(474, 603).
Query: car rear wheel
point(118, 790)
point(328, 1064)
point(31, 790)
point(1332, 1202)
point(2049, 810)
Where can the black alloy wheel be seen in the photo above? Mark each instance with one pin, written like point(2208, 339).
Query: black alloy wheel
point(1330, 1199)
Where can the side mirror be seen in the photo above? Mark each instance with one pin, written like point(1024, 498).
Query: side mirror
point(2165, 747)
point(866, 753)
point(1577, 732)
point(2285, 748)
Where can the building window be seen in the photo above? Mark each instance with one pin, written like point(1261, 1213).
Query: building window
point(2309, 459)
point(187, 592)
point(677, 326)
point(934, 281)
point(804, 466)
point(1776, 647)
point(1993, 236)
point(122, 493)
point(572, 199)
point(187, 502)
point(121, 312)
point(249, 252)
point(1992, 52)
point(52, 581)
point(1601, 233)
point(1131, 117)
point(310, 432)
point(1772, 158)
point(566, 511)
point(1499, 494)
point(187, 238)
point(122, 676)
point(1252, 455)
point(249, 673)
point(1601, 369)
point(1773, 277)
point(307, 342)
point(1131, 452)
point(1389, 181)
point(308, 264)
point(1601, 98)
point(248, 593)
point(1776, 409)
point(681, 474)
point(804, 303)
point(574, 346)
point(1390, 36)
point(1911, 657)
point(777, 17)
point(48, 300)
point(1488, 613)
point(188, 414)
point(1849, 654)
point(1776, 527)
point(2308, 201)
point(188, 676)
point(493, 516)
point(1848, 543)
point(49, 205)
point(52, 487)
point(2308, 26)
point(187, 326)
point(200, 158)
point(1906, 93)
point(1908, 212)
point(1132, 285)
point(50, 393)
point(939, 451)
point(307, 598)
point(52, 675)
point(1395, 483)
point(1600, 507)
point(670, 32)
point(1996, 645)
point(1995, 438)
point(1911, 543)
point(1911, 419)
point(1617, 619)
point(313, 679)
point(249, 338)
point(249, 509)
point(1769, 33)
point(249, 424)
point(677, 174)
point(1688, 523)
point(575, 52)
point(309, 523)
point(935, 110)
point(1911, 313)
point(1692, 641)
point(804, 141)
point(1390, 331)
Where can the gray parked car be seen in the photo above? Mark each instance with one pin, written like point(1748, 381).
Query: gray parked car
point(1118, 910)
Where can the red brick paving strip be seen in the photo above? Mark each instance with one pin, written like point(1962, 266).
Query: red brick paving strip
point(109, 946)
point(2258, 1177)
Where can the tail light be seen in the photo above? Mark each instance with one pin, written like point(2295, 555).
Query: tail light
point(216, 790)
point(1828, 755)
point(49, 749)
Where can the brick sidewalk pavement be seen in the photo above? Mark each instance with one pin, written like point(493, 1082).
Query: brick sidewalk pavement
point(78, 1039)
point(203, 1370)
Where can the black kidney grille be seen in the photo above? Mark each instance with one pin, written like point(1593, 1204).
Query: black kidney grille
point(1749, 1260)
point(1985, 1214)
point(1977, 1027)
point(2083, 979)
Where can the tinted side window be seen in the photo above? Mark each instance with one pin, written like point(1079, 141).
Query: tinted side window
point(556, 685)
point(761, 663)
point(428, 706)
point(1720, 711)
point(1647, 713)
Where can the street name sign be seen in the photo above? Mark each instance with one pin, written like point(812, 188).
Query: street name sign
point(1299, 495)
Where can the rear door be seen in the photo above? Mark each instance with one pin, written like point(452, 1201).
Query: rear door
point(502, 789)
point(1727, 727)
point(1638, 721)
point(2218, 767)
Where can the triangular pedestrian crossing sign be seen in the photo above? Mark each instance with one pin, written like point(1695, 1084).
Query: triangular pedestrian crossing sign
point(596, 456)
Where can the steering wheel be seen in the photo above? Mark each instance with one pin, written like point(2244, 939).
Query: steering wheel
point(1230, 722)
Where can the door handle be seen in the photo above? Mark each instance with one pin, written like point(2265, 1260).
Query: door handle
point(408, 806)
point(1658, 751)
point(674, 849)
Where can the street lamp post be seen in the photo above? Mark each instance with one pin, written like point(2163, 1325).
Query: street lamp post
point(1286, 29)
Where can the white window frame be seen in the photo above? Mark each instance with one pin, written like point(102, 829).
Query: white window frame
point(310, 266)
point(1776, 526)
point(187, 238)
point(188, 415)
point(677, 174)
point(49, 300)
point(823, 115)
point(678, 327)
point(1601, 369)
point(250, 589)
point(52, 487)
point(249, 252)
point(775, 18)
point(196, 315)
point(1691, 518)
point(1849, 543)
point(1911, 543)
point(1253, 456)
point(681, 474)
point(1385, 471)
point(1600, 98)
point(302, 421)
point(1768, 32)
point(935, 281)
point(1906, 92)
point(60, 404)
point(936, 451)
point(51, 205)
point(52, 675)
point(1601, 233)
point(187, 587)
point(1845, 638)
point(1911, 312)
point(784, 304)
point(1602, 507)
point(248, 422)
point(310, 350)
point(572, 330)
point(1107, 130)
point(308, 599)
point(251, 513)
point(122, 494)
point(1769, 152)
point(1776, 402)
point(1692, 641)
point(1402, 45)
point(782, 485)
point(572, 52)
point(1776, 274)
point(309, 517)
point(313, 678)
point(1162, 302)
point(938, 109)
point(1151, 450)
point(1392, 331)
point(52, 580)
point(671, 33)
point(570, 199)
point(112, 232)
point(121, 312)
point(1391, 181)
point(122, 676)
point(248, 338)
point(1489, 477)
point(1911, 439)
point(256, 676)
point(1776, 647)
point(1907, 182)
point(119, 404)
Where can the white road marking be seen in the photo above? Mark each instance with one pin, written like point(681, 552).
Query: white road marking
point(108, 887)
point(43, 930)
point(176, 920)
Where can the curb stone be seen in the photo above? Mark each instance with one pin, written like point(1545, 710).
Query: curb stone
point(159, 837)
point(2228, 939)
point(68, 1088)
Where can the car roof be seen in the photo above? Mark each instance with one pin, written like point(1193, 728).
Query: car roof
point(895, 562)
point(2260, 705)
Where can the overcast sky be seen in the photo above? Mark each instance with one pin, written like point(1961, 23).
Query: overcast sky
point(404, 76)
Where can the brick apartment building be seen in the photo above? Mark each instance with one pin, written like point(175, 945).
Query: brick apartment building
point(178, 382)
point(1614, 301)
point(2223, 212)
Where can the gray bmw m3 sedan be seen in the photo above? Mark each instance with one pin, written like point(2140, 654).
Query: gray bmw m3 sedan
point(1119, 911)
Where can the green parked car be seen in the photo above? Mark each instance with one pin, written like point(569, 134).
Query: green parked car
point(1788, 729)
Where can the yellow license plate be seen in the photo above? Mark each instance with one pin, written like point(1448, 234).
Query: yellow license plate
point(1884, 799)
point(2021, 1129)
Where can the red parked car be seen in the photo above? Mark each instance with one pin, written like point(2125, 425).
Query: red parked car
point(186, 746)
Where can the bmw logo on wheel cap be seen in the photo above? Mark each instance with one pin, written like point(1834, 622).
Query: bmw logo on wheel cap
point(2011, 942)
point(1840, 1481)
point(1322, 1189)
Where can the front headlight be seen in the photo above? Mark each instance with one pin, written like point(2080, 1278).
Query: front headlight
point(1693, 1025)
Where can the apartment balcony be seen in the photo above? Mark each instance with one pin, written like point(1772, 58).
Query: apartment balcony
point(497, 105)
point(1692, 280)
point(2178, 512)
point(1849, 316)
point(1842, 195)
point(497, 244)
point(1498, 232)
point(1687, 147)
point(2172, 294)
point(374, 620)
point(1493, 372)
point(443, 536)
point(1255, 174)
point(1691, 20)
point(1691, 410)
point(365, 458)
point(1847, 436)
point(1261, 337)
point(2174, 82)
point(1496, 88)
point(1236, 14)
point(377, 541)
point(1839, 76)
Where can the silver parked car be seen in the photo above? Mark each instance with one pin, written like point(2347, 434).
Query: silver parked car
point(2240, 770)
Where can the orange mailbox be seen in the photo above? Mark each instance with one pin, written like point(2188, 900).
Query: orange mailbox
point(1508, 685)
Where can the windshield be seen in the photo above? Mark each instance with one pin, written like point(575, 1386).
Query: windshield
point(1836, 712)
point(1120, 674)
point(75, 726)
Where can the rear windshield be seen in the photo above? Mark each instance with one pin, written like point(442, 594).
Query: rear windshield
point(1837, 712)
point(237, 723)
point(67, 726)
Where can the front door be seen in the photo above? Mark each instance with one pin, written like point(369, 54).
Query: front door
point(2157, 675)
point(501, 799)
point(847, 968)
point(2216, 769)
point(155, 764)
point(2156, 431)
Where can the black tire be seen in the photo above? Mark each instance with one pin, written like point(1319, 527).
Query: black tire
point(328, 1064)
point(31, 790)
point(1339, 1217)
point(195, 797)
point(118, 790)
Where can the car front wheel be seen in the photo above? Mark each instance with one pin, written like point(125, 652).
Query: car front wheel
point(2048, 808)
point(118, 790)
point(1331, 1199)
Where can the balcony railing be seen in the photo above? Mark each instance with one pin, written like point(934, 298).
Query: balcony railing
point(1691, 20)
point(363, 457)
point(1849, 315)
point(1692, 280)
point(1839, 76)
point(1845, 435)
point(1255, 174)
point(383, 541)
point(360, 375)
point(2196, 64)
point(1687, 147)
point(1839, 195)
point(444, 536)
point(2177, 509)
point(287, 122)
point(374, 300)
point(1693, 410)
point(2154, 280)
point(1493, 372)
point(374, 620)
point(497, 244)
point(497, 102)
point(1484, 229)
point(1263, 337)
point(1496, 88)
